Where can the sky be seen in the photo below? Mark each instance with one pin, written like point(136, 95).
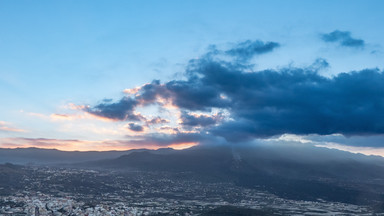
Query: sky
point(117, 75)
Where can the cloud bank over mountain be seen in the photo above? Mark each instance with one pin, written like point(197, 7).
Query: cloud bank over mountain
point(222, 97)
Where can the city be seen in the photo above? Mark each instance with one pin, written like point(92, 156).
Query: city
point(68, 191)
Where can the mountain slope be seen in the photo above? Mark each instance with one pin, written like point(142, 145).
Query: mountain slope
point(303, 172)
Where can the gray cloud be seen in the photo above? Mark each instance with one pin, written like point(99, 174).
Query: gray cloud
point(248, 49)
point(291, 100)
point(125, 107)
point(121, 110)
point(343, 38)
point(202, 120)
point(264, 103)
point(297, 101)
point(135, 127)
point(157, 120)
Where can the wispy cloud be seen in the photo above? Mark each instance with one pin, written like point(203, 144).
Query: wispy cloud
point(7, 127)
point(39, 142)
point(153, 142)
point(246, 50)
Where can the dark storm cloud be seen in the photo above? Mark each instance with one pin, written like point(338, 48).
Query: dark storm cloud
point(121, 110)
point(197, 96)
point(248, 49)
point(135, 127)
point(265, 103)
point(292, 100)
point(344, 38)
point(124, 109)
point(302, 102)
point(194, 95)
point(149, 92)
point(201, 120)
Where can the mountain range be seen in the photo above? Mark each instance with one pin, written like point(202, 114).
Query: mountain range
point(301, 172)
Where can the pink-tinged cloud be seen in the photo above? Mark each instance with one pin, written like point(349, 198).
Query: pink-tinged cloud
point(125, 108)
point(59, 117)
point(167, 130)
point(157, 120)
point(22, 142)
point(6, 127)
point(132, 91)
point(147, 141)
point(72, 117)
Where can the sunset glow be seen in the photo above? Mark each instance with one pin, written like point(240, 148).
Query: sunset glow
point(112, 78)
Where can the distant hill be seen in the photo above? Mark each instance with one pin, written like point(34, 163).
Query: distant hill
point(53, 156)
point(293, 162)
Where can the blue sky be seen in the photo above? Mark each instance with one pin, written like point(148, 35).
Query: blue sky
point(59, 56)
